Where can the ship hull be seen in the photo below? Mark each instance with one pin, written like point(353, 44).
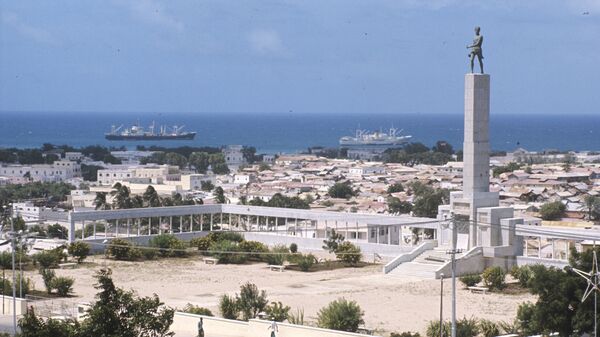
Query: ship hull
point(187, 136)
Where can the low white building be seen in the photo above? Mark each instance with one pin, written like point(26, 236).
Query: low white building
point(243, 179)
point(366, 170)
point(110, 176)
point(131, 157)
point(192, 182)
point(60, 170)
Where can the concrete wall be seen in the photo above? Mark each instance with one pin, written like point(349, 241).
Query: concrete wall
point(523, 261)
point(368, 249)
point(409, 256)
point(186, 324)
point(472, 262)
point(8, 305)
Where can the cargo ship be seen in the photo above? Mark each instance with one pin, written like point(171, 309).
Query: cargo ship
point(370, 140)
point(137, 132)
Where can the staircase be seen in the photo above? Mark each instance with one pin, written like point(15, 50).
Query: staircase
point(423, 266)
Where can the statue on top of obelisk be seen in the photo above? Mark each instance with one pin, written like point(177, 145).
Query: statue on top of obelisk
point(476, 49)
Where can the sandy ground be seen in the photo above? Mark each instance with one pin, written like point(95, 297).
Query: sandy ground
point(390, 303)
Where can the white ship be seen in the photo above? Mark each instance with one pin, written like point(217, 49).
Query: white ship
point(378, 139)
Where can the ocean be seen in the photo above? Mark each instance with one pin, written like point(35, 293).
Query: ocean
point(292, 133)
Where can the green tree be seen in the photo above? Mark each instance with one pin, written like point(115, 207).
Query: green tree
point(277, 312)
point(251, 301)
point(396, 205)
point(90, 172)
point(333, 241)
point(512, 166)
point(591, 204)
point(100, 202)
point(426, 204)
point(58, 231)
point(80, 250)
point(342, 315)
point(552, 210)
point(196, 310)
point(443, 146)
point(494, 277)
point(117, 312)
point(348, 253)
point(63, 285)
point(342, 190)
point(200, 161)
point(32, 326)
point(219, 195)
point(218, 164)
point(150, 197)
point(176, 159)
point(206, 185)
point(228, 307)
point(395, 188)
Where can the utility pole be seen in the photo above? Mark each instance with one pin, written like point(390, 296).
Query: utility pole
point(14, 288)
point(442, 305)
point(453, 253)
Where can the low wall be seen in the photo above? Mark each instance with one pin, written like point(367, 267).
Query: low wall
point(184, 323)
point(472, 262)
point(523, 261)
point(97, 245)
point(8, 305)
point(367, 249)
point(187, 324)
point(409, 256)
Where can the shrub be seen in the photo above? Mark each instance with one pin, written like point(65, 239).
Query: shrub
point(203, 243)
point(405, 334)
point(120, 249)
point(7, 286)
point(433, 328)
point(524, 274)
point(227, 252)
point(169, 245)
point(293, 248)
point(494, 277)
point(228, 307)
point(277, 255)
point(305, 262)
point(467, 327)
point(147, 254)
point(277, 312)
point(470, 280)
point(333, 241)
point(225, 236)
point(49, 258)
point(63, 285)
point(48, 276)
point(251, 301)
point(341, 315)
point(552, 210)
point(489, 328)
point(196, 310)
point(348, 253)
point(80, 250)
point(253, 247)
point(296, 318)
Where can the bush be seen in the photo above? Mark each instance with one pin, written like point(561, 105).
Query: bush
point(63, 285)
point(203, 243)
point(253, 247)
point(225, 236)
point(489, 328)
point(494, 278)
point(293, 248)
point(340, 315)
point(305, 262)
point(277, 312)
point(524, 274)
point(277, 255)
point(405, 334)
point(120, 249)
point(470, 280)
point(196, 310)
point(227, 252)
point(169, 245)
point(467, 327)
point(251, 301)
point(433, 328)
point(48, 276)
point(147, 254)
point(228, 307)
point(79, 250)
point(552, 210)
point(49, 258)
point(348, 253)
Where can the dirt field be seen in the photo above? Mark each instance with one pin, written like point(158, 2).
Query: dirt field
point(390, 303)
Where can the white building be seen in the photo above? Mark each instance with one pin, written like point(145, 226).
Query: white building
point(131, 157)
point(233, 155)
point(60, 170)
point(366, 170)
point(73, 156)
point(243, 179)
point(110, 176)
point(192, 182)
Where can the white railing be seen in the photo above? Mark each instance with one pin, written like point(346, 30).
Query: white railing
point(428, 245)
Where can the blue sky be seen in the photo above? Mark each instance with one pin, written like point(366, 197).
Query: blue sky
point(308, 56)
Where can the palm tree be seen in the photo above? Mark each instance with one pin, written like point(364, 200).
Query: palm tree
point(122, 196)
point(100, 201)
point(137, 201)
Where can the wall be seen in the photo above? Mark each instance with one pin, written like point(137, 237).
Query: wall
point(367, 249)
point(186, 324)
point(472, 262)
point(8, 305)
point(409, 256)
